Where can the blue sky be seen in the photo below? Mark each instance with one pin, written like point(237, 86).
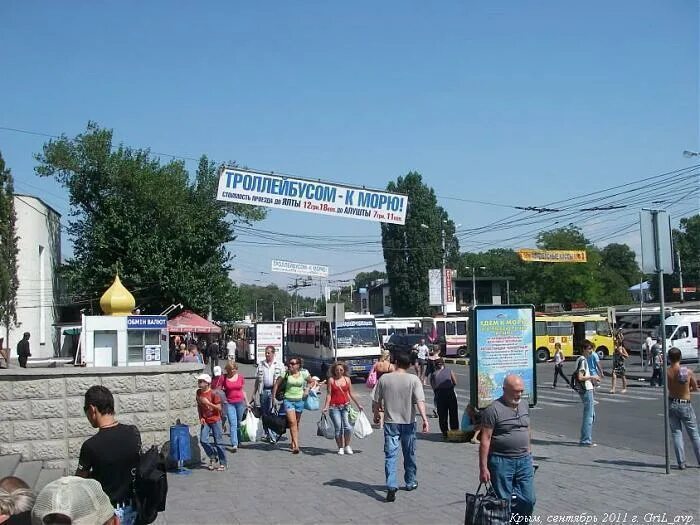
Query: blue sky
point(511, 103)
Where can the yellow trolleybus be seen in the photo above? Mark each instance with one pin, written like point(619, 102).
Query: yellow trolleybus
point(570, 331)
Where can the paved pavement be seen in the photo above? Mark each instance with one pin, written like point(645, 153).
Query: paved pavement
point(267, 485)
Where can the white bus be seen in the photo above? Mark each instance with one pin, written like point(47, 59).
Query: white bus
point(313, 338)
point(386, 326)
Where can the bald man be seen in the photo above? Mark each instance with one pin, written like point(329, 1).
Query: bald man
point(504, 454)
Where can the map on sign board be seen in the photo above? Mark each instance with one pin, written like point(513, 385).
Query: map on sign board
point(310, 196)
point(314, 270)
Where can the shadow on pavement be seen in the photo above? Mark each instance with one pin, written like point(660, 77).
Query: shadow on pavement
point(432, 436)
point(358, 486)
point(553, 442)
point(315, 451)
point(626, 463)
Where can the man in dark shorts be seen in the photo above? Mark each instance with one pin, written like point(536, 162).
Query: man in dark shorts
point(112, 455)
point(505, 460)
point(23, 352)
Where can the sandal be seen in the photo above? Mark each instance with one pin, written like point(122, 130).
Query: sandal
point(211, 464)
point(221, 468)
point(295, 451)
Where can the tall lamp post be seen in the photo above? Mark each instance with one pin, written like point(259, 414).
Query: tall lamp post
point(443, 299)
point(473, 269)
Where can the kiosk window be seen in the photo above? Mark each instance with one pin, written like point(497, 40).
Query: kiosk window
point(137, 339)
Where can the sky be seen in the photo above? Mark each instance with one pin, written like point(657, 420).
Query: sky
point(496, 104)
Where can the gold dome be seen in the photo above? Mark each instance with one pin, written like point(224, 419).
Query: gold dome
point(117, 300)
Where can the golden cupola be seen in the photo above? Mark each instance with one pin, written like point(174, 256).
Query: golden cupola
point(117, 300)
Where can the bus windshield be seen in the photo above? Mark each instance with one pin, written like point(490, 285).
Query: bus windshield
point(357, 336)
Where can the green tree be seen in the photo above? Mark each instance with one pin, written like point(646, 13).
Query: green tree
point(569, 283)
point(8, 252)
point(686, 243)
point(162, 232)
point(411, 250)
point(363, 279)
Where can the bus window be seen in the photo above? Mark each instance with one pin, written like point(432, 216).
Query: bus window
point(450, 328)
point(310, 327)
point(560, 328)
point(540, 328)
point(590, 327)
point(440, 328)
point(603, 328)
point(461, 328)
point(382, 331)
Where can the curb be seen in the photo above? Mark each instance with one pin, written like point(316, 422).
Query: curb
point(456, 361)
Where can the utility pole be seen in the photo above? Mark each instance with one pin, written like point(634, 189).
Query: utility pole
point(442, 273)
point(680, 275)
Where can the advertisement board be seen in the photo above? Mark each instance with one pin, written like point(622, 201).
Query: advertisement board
point(313, 270)
point(310, 196)
point(269, 334)
point(552, 256)
point(502, 343)
point(146, 322)
point(434, 284)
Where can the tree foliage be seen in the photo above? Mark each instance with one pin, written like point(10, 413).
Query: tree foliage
point(165, 234)
point(411, 250)
point(9, 281)
point(264, 297)
point(686, 243)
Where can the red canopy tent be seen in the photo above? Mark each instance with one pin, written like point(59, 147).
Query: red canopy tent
point(189, 322)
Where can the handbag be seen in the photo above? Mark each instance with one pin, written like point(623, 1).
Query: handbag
point(371, 379)
point(353, 414)
point(486, 508)
point(312, 402)
point(279, 396)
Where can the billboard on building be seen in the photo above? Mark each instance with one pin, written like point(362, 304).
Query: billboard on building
point(310, 196)
point(434, 284)
point(314, 270)
point(269, 334)
point(552, 256)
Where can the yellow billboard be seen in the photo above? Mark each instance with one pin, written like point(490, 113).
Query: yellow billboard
point(552, 256)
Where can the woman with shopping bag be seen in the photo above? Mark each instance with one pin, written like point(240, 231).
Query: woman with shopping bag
point(294, 384)
point(338, 404)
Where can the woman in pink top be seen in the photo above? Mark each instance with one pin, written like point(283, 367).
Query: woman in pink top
point(234, 386)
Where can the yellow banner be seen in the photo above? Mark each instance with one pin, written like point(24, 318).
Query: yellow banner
point(552, 256)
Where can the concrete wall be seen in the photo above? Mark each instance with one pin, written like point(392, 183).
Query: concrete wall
point(41, 409)
point(39, 233)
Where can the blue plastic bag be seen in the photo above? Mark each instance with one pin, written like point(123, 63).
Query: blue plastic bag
point(466, 424)
point(312, 402)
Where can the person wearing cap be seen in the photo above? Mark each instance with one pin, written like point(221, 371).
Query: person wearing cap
point(217, 385)
point(209, 408)
point(112, 455)
point(73, 500)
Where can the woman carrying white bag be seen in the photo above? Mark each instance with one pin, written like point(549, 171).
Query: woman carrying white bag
point(338, 401)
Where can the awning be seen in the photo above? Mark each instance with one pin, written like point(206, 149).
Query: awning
point(189, 322)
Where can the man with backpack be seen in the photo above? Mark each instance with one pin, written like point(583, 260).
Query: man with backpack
point(582, 381)
point(112, 455)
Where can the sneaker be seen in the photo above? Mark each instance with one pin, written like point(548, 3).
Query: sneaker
point(596, 402)
point(234, 449)
point(588, 444)
point(348, 450)
point(411, 487)
point(390, 495)
point(682, 466)
point(341, 451)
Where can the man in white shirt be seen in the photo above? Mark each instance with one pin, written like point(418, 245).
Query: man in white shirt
point(586, 380)
point(231, 350)
point(267, 372)
point(421, 359)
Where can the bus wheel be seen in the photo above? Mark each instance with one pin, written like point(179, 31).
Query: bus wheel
point(542, 355)
point(602, 352)
point(463, 352)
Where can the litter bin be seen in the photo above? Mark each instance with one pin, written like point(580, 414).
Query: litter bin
point(180, 450)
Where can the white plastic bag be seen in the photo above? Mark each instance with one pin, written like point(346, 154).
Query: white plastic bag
point(252, 426)
point(362, 426)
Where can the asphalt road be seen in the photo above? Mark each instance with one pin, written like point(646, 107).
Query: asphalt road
point(633, 420)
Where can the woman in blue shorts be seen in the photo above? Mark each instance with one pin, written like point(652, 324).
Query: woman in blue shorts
point(295, 383)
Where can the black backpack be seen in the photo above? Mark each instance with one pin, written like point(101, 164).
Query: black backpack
point(574, 382)
point(150, 486)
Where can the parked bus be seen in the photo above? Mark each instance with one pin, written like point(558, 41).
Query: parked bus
point(244, 337)
point(386, 326)
point(570, 331)
point(313, 339)
point(448, 332)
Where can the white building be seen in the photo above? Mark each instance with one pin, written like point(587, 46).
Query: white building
point(38, 228)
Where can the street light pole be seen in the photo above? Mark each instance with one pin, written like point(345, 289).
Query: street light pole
point(680, 276)
point(473, 269)
point(256, 310)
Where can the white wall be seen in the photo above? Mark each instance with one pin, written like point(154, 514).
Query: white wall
point(38, 229)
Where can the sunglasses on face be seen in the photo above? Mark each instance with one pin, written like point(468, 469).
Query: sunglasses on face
point(293, 363)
